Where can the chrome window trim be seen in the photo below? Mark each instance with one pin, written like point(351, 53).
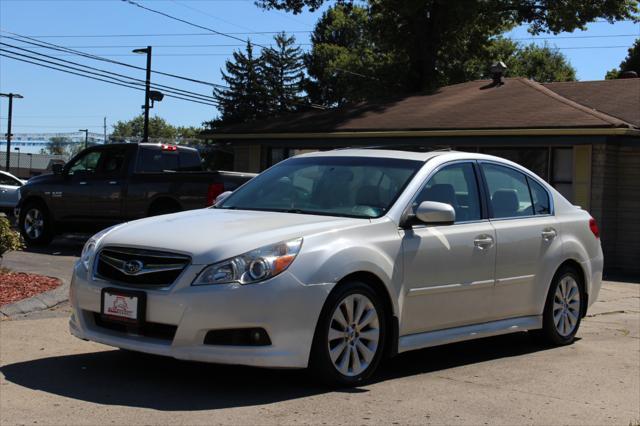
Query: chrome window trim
point(426, 180)
point(530, 176)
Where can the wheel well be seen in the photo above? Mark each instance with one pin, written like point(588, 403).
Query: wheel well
point(378, 286)
point(163, 202)
point(571, 263)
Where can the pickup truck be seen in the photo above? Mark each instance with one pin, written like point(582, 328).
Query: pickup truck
point(109, 184)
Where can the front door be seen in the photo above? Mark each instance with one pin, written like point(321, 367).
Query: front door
point(93, 189)
point(449, 269)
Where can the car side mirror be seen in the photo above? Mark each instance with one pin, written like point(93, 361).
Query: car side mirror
point(220, 198)
point(435, 213)
point(57, 168)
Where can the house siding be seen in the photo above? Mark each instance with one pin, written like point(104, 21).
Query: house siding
point(615, 203)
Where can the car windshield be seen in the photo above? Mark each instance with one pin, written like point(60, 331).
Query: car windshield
point(361, 187)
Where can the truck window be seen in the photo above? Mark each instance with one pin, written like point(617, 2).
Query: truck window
point(113, 162)
point(156, 160)
point(87, 163)
point(190, 161)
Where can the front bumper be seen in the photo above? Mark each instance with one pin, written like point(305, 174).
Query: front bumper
point(286, 308)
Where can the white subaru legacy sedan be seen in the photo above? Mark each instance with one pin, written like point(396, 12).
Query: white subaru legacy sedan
point(335, 260)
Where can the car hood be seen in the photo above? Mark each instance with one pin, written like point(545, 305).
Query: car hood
point(212, 235)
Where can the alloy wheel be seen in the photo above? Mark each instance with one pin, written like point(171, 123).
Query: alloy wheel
point(354, 335)
point(566, 306)
point(34, 223)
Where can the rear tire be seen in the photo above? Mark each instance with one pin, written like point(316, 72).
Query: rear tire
point(350, 336)
point(36, 224)
point(563, 308)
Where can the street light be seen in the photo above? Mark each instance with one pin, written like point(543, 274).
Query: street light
point(86, 137)
point(10, 96)
point(147, 88)
point(18, 149)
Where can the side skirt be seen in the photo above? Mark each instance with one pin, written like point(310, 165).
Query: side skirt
point(468, 332)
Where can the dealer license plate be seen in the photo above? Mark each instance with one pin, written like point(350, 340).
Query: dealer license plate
point(123, 305)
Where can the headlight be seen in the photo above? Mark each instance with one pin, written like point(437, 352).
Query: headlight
point(89, 248)
point(252, 267)
point(87, 253)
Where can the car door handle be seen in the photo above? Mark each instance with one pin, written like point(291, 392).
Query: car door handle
point(483, 241)
point(82, 183)
point(549, 234)
point(113, 182)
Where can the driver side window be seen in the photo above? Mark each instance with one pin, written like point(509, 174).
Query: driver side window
point(457, 186)
point(87, 164)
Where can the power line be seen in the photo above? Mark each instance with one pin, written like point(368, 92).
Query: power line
point(100, 58)
point(117, 46)
point(573, 37)
point(164, 34)
point(184, 21)
point(109, 73)
point(129, 85)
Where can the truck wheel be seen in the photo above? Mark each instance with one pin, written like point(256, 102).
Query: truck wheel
point(350, 336)
point(35, 224)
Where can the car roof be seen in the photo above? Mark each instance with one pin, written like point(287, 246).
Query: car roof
point(377, 153)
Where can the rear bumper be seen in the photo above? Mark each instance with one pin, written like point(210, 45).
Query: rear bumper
point(593, 269)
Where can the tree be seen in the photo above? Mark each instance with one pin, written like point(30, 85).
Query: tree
point(159, 129)
point(345, 64)
point(246, 97)
point(433, 33)
point(57, 146)
point(283, 75)
point(630, 63)
point(540, 63)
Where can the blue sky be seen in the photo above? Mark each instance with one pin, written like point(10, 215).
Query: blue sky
point(57, 102)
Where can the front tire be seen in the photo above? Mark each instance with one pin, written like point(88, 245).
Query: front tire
point(350, 336)
point(35, 224)
point(563, 308)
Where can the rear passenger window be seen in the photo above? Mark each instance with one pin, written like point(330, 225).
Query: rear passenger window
point(156, 160)
point(540, 196)
point(508, 191)
point(455, 185)
point(190, 161)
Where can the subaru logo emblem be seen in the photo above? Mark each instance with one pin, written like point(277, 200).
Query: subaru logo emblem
point(132, 267)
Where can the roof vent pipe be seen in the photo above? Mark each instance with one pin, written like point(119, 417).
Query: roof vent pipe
point(497, 72)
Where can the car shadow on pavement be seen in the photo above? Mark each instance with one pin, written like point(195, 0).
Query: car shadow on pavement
point(123, 378)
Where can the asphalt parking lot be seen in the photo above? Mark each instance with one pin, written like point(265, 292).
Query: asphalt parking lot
point(49, 377)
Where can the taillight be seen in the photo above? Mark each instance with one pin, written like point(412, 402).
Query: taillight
point(215, 189)
point(169, 148)
point(593, 225)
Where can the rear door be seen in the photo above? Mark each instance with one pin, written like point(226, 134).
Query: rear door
point(526, 233)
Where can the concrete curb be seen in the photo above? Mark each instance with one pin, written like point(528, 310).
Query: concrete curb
point(39, 302)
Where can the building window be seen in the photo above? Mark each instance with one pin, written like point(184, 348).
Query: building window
point(562, 171)
point(276, 155)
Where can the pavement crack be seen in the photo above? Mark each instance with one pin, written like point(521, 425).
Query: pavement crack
point(622, 311)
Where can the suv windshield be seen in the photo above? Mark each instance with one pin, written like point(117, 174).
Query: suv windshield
point(360, 187)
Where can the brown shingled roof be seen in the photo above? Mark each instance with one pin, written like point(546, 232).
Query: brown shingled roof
point(617, 98)
point(518, 103)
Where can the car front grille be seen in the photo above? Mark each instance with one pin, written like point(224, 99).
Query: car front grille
point(148, 329)
point(140, 268)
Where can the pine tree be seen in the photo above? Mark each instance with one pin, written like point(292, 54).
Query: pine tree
point(246, 97)
point(283, 69)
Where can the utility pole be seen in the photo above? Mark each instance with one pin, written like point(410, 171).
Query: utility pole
point(86, 137)
point(10, 96)
point(105, 130)
point(147, 89)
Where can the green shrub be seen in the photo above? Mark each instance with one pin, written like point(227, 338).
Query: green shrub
point(9, 239)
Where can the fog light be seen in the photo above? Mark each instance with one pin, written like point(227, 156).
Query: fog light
point(238, 337)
